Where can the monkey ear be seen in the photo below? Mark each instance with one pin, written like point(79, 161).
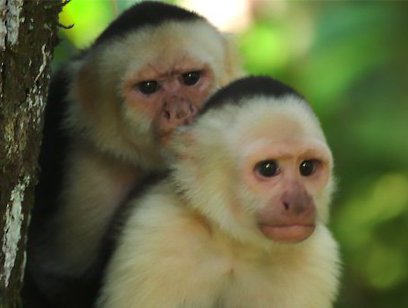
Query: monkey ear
point(232, 60)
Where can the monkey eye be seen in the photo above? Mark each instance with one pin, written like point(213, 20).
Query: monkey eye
point(267, 168)
point(308, 167)
point(191, 78)
point(148, 87)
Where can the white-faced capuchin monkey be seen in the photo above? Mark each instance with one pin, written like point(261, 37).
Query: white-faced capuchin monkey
point(109, 115)
point(241, 219)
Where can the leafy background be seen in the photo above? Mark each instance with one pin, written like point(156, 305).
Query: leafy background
point(350, 59)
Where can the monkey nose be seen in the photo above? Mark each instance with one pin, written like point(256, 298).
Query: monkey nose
point(171, 86)
point(294, 208)
point(176, 113)
point(295, 203)
point(179, 110)
point(181, 114)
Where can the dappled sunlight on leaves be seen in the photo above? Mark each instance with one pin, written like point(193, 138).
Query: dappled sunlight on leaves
point(384, 267)
point(372, 229)
point(265, 48)
point(89, 18)
point(386, 199)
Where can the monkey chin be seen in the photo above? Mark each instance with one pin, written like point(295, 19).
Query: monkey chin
point(287, 233)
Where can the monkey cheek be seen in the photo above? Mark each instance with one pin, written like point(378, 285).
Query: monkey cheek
point(287, 233)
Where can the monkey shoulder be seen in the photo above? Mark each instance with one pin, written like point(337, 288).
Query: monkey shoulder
point(162, 213)
point(165, 243)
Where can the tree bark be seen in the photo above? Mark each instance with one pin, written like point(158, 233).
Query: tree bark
point(28, 34)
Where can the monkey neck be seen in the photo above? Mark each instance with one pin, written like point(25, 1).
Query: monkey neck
point(218, 234)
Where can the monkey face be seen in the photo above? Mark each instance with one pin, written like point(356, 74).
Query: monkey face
point(168, 86)
point(261, 169)
point(284, 177)
point(286, 166)
point(169, 94)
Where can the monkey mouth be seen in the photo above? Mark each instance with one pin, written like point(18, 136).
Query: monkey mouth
point(287, 233)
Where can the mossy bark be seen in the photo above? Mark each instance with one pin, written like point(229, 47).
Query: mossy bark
point(28, 34)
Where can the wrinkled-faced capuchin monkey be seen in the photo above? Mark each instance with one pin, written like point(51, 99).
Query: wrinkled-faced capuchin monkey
point(241, 219)
point(109, 115)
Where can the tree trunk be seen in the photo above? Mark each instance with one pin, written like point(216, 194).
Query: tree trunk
point(28, 34)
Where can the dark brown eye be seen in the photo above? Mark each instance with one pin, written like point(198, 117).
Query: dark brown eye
point(191, 78)
point(148, 87)
point(308, 167)
point(267, 168)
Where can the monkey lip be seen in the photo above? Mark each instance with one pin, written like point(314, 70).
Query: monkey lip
point(287, 233)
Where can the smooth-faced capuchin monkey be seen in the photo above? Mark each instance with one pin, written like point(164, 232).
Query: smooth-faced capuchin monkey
point(241, 219)
point(109, 115)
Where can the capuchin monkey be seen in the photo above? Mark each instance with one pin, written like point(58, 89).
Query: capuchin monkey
point(109, 115)
point(241, 219)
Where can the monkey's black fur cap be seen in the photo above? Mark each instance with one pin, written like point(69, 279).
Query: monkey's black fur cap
point(146, 13)
point(248, 87)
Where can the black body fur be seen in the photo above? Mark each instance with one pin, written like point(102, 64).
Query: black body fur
point(146, 13)
point(248, 87)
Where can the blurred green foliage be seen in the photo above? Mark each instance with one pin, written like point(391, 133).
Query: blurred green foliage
point(350, 59)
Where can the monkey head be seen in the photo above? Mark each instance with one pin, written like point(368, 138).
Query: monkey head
point(256, 163)
point(148, 72)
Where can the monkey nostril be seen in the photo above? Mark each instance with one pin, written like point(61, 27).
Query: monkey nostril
point(166, 115)
point(192, 109)
point(286, 205)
